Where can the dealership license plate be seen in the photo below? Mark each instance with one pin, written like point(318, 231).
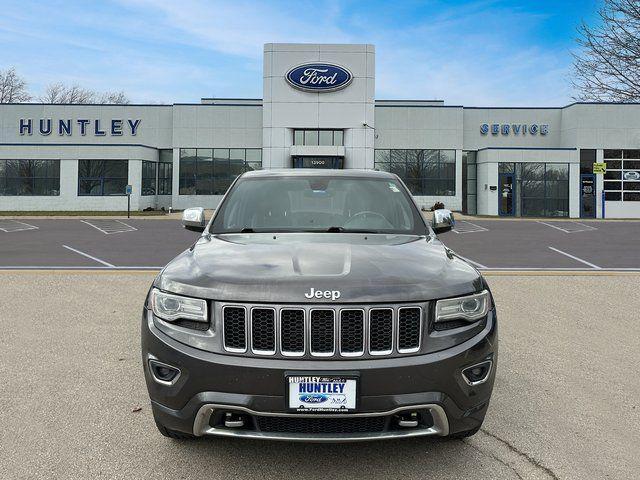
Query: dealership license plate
point(322, 393)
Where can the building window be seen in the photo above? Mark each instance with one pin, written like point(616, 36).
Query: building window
point(149, 170)
point(587, 159)
point(318, 137)
point(469, 182)
point(30, 177)
point(102, 177)
point(542, 189)
point(425, 172)
point(165, 172)
point(622, 179)
point(210, 171)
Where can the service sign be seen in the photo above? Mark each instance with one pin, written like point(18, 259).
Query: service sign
point(319, 77)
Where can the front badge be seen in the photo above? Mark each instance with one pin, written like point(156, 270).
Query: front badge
point(328, 294)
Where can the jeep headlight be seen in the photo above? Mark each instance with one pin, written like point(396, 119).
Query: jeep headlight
point(471, 307)
point(170, 307)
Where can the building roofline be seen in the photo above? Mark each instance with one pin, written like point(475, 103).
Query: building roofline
point(527, 148)
point(93, 104)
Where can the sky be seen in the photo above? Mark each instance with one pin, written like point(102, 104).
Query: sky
point(472, 53)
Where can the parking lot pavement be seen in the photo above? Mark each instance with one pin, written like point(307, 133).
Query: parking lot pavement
point(94, 243)
point(531, 244)
point(565, 403)
point(488, 244)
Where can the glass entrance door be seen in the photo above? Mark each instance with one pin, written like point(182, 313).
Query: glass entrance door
point(506, 194)
point(587, 196)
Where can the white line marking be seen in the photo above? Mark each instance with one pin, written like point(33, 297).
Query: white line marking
point(576, 258)
point(109, 227)
point(13, 226)
point(89, 256)
point(468, 260)
point(587, 228)
point(477, 228)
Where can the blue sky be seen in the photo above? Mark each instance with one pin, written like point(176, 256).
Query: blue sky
point(473, 53)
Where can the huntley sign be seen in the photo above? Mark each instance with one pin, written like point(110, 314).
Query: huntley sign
point(66, 127)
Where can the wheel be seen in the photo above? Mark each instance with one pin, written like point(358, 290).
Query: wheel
point(173, 434)
point(464, 433)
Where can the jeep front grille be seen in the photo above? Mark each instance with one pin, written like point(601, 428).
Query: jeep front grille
point(322, 331)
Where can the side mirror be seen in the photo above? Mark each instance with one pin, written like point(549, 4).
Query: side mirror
point(193, 219)
point(443, 220)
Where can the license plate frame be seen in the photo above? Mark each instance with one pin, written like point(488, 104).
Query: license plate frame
point(350, 380)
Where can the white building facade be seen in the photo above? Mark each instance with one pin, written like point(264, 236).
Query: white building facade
point(319, 111)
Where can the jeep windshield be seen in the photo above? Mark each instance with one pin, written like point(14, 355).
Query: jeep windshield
point(332, 204)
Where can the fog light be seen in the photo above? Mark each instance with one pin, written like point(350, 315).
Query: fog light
point(163, 373)
point(477, 374)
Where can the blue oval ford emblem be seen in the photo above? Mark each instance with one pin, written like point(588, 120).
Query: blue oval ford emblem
point(313, 398)
point(319, 77)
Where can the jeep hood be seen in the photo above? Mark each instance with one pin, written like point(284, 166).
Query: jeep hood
point(281, 268)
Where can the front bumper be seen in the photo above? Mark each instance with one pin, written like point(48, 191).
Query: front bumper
point(212, 384)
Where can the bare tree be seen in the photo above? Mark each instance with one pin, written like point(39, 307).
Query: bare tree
point(119, 98)
point(608, 66)
point(61, 93)
point(13, 89)
point(75, 94)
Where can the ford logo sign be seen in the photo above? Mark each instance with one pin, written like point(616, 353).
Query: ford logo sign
point(631, 175)
point(313, 398)
point(319, 77)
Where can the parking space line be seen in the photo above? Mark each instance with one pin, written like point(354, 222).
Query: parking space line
point(109, 227)
point(577, 259)
point(89, 256)
point(468, 260)
point(475, 228)
point(586, 228)
point(10, 226)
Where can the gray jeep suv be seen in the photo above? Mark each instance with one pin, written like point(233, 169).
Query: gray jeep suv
point(318, 305)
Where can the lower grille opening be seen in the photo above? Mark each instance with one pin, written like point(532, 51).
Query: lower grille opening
point(321, 425)
point(337, 424)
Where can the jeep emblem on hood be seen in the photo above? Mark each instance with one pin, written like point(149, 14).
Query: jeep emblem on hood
point(332, 294)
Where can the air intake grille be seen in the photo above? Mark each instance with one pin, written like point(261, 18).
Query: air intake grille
point(381, 331)
point(292, 332)
point(352, 332)
point(322, 331)
point(263, 330)
point(235, 329)
point(409, 329)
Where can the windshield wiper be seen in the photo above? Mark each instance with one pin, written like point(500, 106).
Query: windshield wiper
point(349, 230)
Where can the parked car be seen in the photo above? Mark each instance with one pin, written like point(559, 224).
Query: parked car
point(319, 305)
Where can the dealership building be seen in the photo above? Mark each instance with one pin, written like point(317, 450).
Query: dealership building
point(319, 111)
